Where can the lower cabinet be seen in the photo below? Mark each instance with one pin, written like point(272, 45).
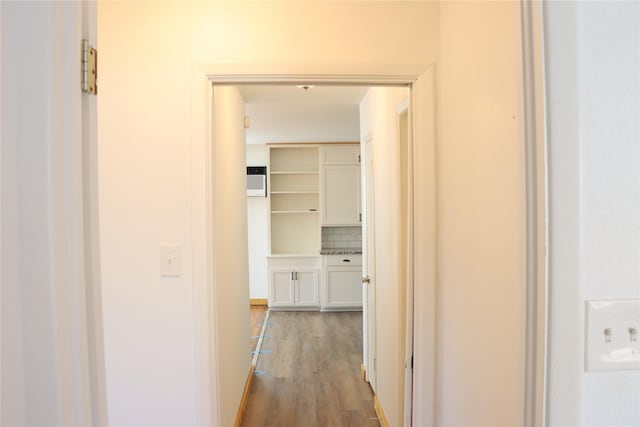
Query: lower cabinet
point(314, 283)
point(342, 288)
point(294, 283)
point(294, 288)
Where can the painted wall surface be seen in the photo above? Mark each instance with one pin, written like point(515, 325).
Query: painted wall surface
point(609, 84)
point(379, 117)
point(258, 223)
point(147, 51)
point(231, 271)
point(481, 214)
point(300, 122)
point(596, 53)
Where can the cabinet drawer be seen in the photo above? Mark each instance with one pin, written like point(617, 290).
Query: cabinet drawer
point(347, 259)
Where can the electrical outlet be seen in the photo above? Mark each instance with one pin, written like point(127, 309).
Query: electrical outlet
point(613, 335)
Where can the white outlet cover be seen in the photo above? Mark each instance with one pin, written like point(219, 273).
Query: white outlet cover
point(611, 344)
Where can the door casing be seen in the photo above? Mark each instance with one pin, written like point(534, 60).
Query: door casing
point(421, 80)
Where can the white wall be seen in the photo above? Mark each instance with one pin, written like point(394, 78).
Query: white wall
point(147, 51)
point(258, 223)
point(379, 117)
point(481, 214)
point(593, 65)
point(302, 122)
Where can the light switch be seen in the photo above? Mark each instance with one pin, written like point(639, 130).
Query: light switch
point(170, 260)
point(612, 335)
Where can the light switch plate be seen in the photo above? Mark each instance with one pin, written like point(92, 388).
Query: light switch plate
point(613, 335)
point(170, 260)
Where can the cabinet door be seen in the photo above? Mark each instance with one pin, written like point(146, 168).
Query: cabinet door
point(281, 288)
point(307, 288)
point(341, 195)
point(340, 154)
point(344, 288)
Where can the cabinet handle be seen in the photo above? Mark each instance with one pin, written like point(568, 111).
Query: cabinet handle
point(296, 275)
point(292, 276)
point(346, 260)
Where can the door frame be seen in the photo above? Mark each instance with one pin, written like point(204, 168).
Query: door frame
point(368, 255)
point(205, 76)
point(422, 83)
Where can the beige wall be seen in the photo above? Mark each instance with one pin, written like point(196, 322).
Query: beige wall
point(147, 51)
point(481, 247)
point(231, 268)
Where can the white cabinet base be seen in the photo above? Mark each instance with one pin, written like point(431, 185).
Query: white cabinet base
point(294, 283)
point(341, 285)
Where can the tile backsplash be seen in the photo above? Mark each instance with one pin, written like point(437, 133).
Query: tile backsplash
point(341, 237)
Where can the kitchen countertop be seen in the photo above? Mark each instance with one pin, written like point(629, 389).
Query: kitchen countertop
point(341, 251)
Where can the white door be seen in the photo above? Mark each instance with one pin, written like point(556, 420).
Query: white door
point(281, 288)
point(343, 287)
point(341, 195)
point(368, 265)
point(306, 287)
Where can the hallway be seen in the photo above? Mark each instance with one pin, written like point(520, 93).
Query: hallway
point(308, 374)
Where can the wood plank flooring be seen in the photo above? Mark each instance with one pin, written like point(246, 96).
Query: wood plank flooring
point(257, 313)
point(311, 373)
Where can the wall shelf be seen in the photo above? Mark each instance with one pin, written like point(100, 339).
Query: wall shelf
point(294, 173)
point(294, 199)
point(295, 192)
point(295, 212)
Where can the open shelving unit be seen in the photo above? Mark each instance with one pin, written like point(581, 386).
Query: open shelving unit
point(294, 182)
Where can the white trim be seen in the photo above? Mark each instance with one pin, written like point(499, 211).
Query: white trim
point(562, 131)
point(403, 108)
point(535, 169)
point(205, 351)
point(93, 273)
point(423, 129)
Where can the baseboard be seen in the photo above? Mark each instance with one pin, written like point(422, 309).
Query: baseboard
point(258, 301)
point(381, 416)
point(245, 398)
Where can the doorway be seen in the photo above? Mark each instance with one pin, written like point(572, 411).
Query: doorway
point(379, 107)
point(394, 398)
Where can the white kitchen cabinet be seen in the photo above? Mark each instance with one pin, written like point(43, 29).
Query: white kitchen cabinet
point(294, 283)
point(340, 154)
point(342, 288)
point(340, 185)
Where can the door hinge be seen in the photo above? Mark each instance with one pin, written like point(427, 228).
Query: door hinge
point(89, 70)
point(409, 364)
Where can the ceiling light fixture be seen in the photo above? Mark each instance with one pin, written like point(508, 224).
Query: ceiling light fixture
point(305, 87)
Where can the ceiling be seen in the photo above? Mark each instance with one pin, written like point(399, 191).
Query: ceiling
point(285, 113)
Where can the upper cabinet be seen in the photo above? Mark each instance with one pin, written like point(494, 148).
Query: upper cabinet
point(340, 184)
point(340, 154)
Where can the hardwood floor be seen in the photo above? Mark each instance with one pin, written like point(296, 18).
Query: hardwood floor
point(257, 315)
point(309, 373)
